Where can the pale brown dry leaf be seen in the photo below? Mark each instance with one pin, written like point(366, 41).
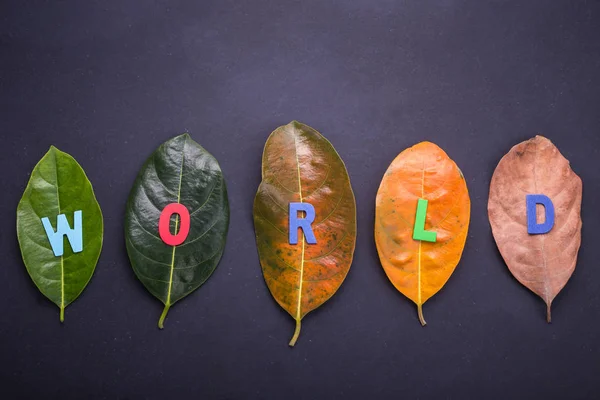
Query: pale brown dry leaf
point(543, 263)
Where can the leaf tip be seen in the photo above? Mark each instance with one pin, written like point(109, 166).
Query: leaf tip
point(295, 124)
point(54, 151)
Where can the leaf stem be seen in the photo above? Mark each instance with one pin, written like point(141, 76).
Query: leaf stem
point(420, 312)
point(62, 314)
point(161, 321)
point(548, 313)
point(296, 333)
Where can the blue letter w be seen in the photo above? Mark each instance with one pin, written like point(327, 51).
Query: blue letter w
point(74, 235)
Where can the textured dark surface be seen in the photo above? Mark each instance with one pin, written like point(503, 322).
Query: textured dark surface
point(109, 82)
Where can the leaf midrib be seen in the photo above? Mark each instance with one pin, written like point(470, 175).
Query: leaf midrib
point(62, 263)
point(168, 303)
point(301, 280)
point(542, 237)
point(419, 296)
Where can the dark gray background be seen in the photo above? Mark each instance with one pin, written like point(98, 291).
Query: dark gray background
point(109, 81)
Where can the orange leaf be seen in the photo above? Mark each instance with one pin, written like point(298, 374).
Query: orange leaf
point(419, 269)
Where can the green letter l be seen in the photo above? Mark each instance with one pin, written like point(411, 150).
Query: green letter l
point(419, 232)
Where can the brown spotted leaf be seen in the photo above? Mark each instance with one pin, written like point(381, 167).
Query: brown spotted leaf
point(543, 263)
point(300, 165)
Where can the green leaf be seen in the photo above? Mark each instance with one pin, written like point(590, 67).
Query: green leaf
point(58, 185)
point(179, 171)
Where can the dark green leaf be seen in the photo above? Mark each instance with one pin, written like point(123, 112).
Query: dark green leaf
point(58, 185)
point(179, 171)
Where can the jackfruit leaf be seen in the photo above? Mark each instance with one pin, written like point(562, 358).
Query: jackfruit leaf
point(542, 262)
point(179, 171)
point(300, 165)
point(418, 268)
point(58, 185)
